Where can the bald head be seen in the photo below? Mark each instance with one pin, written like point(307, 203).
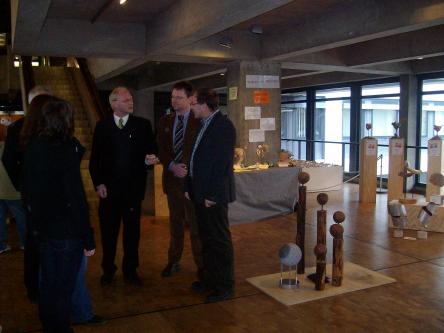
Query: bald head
point(37, 91)
point(121, 101)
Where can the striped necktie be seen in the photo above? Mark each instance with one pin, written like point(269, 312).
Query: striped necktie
point(178, 140)
point(120, 123)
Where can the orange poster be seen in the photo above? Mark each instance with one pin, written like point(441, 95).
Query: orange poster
point(261, 97)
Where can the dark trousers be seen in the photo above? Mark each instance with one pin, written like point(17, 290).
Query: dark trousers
point(31, 262)
point(59, 264)
point(182, 214)
point(217, 247)
point(112, 211)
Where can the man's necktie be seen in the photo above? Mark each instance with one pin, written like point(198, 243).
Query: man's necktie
point(120, 123)
point(178, 140)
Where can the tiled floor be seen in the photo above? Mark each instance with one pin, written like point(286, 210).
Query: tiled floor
point(414, 304)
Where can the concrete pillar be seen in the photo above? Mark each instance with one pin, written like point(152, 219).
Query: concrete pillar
point(408, 111)
point(270, 106)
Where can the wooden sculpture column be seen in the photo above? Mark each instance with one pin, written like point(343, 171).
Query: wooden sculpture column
point(395, 184)
point(320, 249)
point(337, 231)
point(303, 178)
point(435, 165)
point(368, 151)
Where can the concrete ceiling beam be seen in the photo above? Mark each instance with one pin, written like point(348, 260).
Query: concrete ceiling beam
point(356, 22)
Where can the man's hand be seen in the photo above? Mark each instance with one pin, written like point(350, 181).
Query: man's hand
point(151, 159)
point(179, 169)
point(89, 253)
point(209, 203)
point(187, 196)
point(101, 191)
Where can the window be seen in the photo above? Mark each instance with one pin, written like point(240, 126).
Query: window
point(332, 123)
point(380, 107)
point(432, 113)
point(293, 123)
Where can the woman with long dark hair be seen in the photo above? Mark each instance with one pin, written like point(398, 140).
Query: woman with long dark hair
point(53, 192)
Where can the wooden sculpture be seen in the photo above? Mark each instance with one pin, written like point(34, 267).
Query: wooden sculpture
point(321, 243)
point(396, 126)
point(320, 251)
point(406, 173)
point(337, 231)
point(303, 178)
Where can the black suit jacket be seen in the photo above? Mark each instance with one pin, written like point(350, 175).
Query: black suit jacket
point(102, 155)
point(213, 177)
point(53, 191)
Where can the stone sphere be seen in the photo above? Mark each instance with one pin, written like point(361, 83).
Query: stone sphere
point(437, 179)
point(336, 230)
point(303, 177)
point(338, 217)
point(290, 254)
point(322, 198)
point(320, 249)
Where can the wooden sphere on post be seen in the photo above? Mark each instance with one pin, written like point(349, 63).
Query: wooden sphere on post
point(338, 217)
point(322, 198)
point(336, 230)
point(303, 177)
point(320, 250)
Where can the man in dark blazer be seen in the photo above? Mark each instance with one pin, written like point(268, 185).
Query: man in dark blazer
point(176, 133)
point(210, 185)
point(122, 149)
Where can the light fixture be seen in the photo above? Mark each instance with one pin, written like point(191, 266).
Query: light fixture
point(226, 42)
point(256, 29)
point(419, 58)
point(222, 74)
point(122, 2)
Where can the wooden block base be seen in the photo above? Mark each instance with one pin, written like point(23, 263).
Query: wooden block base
point(408, 201)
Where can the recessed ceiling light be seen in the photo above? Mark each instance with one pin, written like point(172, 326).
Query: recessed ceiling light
point(256, 29)
point(222, 74)
point(226, 42)
point(419, 58)
point(122, 2)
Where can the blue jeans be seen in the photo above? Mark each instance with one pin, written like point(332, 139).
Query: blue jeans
point(60, 261)
point(18, 211)
point(81, 306)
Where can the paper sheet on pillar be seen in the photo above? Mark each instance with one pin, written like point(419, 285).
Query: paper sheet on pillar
point(267, 124)
point(256, 135)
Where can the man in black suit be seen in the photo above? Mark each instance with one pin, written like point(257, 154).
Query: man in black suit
point(122, 149)
point(210, 185)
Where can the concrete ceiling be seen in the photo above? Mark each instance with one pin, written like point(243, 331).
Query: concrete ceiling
point(152, 44)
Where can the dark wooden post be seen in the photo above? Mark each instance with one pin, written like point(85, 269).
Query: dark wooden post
point(320, 251)
point(337, 231)
point(303, 178)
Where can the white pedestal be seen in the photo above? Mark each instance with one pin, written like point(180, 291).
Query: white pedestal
point(435, 164)
point(367, 170)
point(421, 234)
point(398, 233)
point(395, 184)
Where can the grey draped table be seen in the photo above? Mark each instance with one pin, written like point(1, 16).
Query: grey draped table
point(263, 194)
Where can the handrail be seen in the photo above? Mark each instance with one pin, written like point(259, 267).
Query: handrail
point(83, 65)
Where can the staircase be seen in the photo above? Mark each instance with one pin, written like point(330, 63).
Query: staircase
point(61, 83)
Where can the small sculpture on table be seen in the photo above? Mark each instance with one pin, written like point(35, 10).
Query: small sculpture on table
point(436, 128)
point(368, 127)
point(396, 126)
point(408, 172)
point(239, 156)
point(261, 150)
point(290, 255)
point(337, 231)
point(284, 158)
point(424, 215)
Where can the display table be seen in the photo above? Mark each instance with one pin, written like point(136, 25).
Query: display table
point(259, 194)
point(263, 194)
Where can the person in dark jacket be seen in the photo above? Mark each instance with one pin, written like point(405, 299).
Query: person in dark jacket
point(210, 185)
point(123, 147)
point(53, 193)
